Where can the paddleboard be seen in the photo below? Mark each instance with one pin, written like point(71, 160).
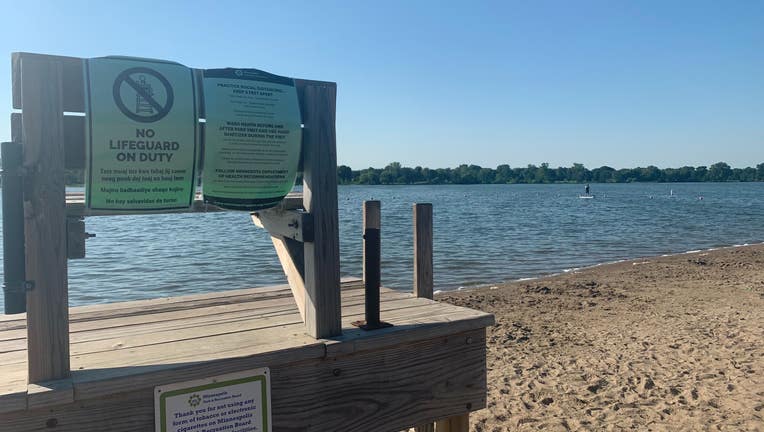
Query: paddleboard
point(586, 196)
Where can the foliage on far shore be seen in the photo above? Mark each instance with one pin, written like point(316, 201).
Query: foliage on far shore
point(394, 173)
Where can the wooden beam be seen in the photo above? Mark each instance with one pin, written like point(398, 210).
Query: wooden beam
point(460, 423)
point(16, 128)
point(13, 221)
point(423, 285)
point(291, 224)
point(322, 255)
point(72, 78)
point(75, 206)
point(291, 254)
point(74, 142)
point(74, 139)
point(75, 237)
point(45, 219)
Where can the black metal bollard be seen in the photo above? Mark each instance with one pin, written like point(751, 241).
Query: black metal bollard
point(372, 263)
point(14, 274)
point(372, 259)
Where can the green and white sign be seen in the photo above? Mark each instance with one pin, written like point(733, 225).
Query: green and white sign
point(239, 402)
point(141, 129)
point(252, 138)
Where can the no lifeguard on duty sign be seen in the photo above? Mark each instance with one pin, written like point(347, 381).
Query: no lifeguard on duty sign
point(141, 134)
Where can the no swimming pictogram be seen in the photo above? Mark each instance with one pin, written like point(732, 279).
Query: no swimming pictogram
point(143, 94)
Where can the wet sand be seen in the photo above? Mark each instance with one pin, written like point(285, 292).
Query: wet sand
point(665, 343)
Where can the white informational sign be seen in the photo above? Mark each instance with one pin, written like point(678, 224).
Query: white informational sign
point(141, 134)
point(252, 138)
point(239, 402)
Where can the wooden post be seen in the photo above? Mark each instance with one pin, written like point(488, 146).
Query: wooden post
point(45, 219)
point(291, 254)
point(423, 288)
point(322, 255)
point(459, 423)
point(13, 229)
point(423, 250)
point(423, 264)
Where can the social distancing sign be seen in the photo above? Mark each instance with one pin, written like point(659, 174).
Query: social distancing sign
point(141, 134)
point(253, 137)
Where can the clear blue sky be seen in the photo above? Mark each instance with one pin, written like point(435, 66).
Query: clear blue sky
point(437, 84)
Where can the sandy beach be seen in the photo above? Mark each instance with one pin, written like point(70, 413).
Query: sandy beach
point(662, 343)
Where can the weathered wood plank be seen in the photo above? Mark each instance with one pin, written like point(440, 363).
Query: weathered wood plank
point(13, 389)
point(105, 349)
point(90, 330)
point(14, 254)
point(45, 219)
point(16, 80)
point(75, 206)
point(121, 412)
point(75, 238)
point(73, 86)
point(412, 324)
point(322, 255)
point(292, 258)
point(74, 139)
point(117, 333)
point(378, 390)
point(189, 327)
point(16, 127)
point(50, 393)
point(206, 318)
point(186, 331)
point(74, 142)
point(423, 282)
point(166, 304)
point(460, 423)
point(90, 384)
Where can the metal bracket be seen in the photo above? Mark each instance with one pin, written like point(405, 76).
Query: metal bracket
point(18, 286)
point(368, 327)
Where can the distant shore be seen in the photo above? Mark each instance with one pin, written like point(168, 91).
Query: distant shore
point(666, 343)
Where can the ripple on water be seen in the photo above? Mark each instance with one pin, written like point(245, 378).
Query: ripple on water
point(483, 234)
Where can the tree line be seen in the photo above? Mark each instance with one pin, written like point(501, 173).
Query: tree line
point(395, 173)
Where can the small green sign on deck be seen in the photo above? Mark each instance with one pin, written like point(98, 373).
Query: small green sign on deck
point(237, 402)
point(142, 134)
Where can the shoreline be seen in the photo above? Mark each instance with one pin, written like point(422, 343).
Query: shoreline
point(670, 342)
point(578, 269)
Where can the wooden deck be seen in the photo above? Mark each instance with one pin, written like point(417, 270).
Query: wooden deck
point(128, 348)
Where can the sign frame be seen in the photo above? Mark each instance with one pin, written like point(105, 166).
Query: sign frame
point(162, 393)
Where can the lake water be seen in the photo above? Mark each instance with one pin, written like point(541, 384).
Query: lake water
point(483, 234)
